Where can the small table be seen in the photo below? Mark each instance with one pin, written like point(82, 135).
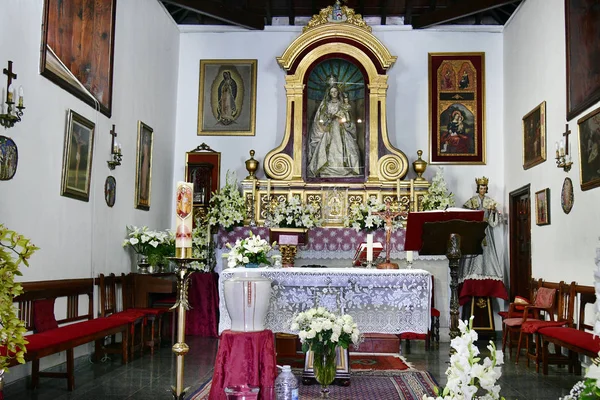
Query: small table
point(244, 358)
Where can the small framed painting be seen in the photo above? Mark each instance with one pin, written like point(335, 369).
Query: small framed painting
point(227, 98)
point(110, 190)
point(77, 157)
point(534, 136)
point(566, 195)
point(143, 174)
point(589, 150)
point(542, 207)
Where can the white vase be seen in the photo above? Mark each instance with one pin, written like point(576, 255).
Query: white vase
point(247, 297)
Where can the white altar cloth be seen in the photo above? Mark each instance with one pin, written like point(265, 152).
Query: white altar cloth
point(380, 301)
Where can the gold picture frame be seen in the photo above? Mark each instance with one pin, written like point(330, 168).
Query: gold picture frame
point(589, 149)
point(534, 136)
point(143, 162)
point(542, 207)
point(77, 157)
point(227, 98)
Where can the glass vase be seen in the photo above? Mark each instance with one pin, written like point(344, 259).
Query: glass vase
point(324, 367)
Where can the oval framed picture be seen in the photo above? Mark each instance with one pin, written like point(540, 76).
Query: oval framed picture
point(110, 190)
point(566, 196)
point(9, 158)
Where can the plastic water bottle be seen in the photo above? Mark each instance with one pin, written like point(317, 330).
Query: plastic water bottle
point(286, 385)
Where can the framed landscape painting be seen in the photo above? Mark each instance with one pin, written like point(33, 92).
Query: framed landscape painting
point(542, 207)
point(456, 108)
point(227, 98)
point(77, 157)
point(589, 150)
point(534, 136)
point(582, 25)
point(143, 174)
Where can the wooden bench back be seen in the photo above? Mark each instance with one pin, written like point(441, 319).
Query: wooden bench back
point(107, 288)
point(72, 289)
point(587, 295)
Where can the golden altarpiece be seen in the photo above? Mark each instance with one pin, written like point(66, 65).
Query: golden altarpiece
point(335, 151)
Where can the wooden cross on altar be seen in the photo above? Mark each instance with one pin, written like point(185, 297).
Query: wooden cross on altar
point(11, 75)
point(388, 215)
point(566, 135)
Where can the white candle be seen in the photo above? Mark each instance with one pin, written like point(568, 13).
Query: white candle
point(184, 216)
point(116, 148)
point(413, 206)
point(253, 191)
point(268, 188)
point(369, 247)
point(20, 96)
point(207, 233)
point(409, 256)
point(398, 190)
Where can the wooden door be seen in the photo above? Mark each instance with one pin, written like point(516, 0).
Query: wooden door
point(520, 242)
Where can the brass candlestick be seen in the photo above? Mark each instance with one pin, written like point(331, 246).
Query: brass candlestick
point(182, 305)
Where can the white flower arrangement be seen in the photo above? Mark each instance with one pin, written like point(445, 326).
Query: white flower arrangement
point(589, 388)
point(142, 240)
point(227, 207)
point(252, 249)
point(318, 328)
point(202, 249)
point(466, 376)
point(360, 215)
point(437, 196)
point(293, 213)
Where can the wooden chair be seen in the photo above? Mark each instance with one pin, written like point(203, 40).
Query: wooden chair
point(153, 315)
point(108, 309)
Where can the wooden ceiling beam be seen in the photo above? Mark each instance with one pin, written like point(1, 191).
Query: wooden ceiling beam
point(244, 19)
point(457, 11)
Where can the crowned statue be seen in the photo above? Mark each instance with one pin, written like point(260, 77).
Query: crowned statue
point(482, 275)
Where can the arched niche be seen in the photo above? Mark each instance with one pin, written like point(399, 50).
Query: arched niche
point(346, 48)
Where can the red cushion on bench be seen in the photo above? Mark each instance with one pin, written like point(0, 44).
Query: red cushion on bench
point(585, 340)
point(151, 311)
point(67, 333)
point(534, 325)
point(129, 316)
point(43, 315)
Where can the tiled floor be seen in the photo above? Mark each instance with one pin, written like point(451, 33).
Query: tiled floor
point(151, 377)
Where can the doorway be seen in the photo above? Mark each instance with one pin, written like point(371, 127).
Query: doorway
point(520, 242)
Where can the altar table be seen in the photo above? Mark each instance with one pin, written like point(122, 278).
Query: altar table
point(244, 358)
point(380, 301)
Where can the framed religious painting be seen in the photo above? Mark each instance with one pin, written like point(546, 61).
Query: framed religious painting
point(203, 171)
point(534, 136)
point(89, 59)
point(77, 157)
point(456, 108)
point(542, 207)
point(589, 150)
point(143, 174)
point(9, 158)
point(582, 25)
point(227, 98)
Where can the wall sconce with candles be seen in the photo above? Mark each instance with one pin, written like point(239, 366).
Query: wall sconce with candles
point(13, 114)
point(115, 151)
point(563, 158)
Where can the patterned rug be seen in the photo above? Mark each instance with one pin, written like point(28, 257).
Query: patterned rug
point(359, 362)
point(407, 385)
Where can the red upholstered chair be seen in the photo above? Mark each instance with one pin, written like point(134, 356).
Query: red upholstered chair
point(515, 310)
point(108, 309)
point(544, 301)
point(153, 315)
point(434, 330)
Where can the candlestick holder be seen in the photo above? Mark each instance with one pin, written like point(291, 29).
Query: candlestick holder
point(563, 160)
point(13, 113)
point(115, 151)
point(181, 305)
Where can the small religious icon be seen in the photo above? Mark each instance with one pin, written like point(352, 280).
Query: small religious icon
point(388, 216)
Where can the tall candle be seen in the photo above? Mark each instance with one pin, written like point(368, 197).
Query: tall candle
point(253, 191)
point(409, 256)
point(413, 206)
point(398, 190)
point(184, 219)
point(268, 188)
point(369, 247)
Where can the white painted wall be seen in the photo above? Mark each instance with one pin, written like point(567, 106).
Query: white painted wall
point(535, 70)
point(81, 239)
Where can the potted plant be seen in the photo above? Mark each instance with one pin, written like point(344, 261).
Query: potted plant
point(143, 242)
point(249, 252)
point(202, 249)
point(361, 216)
point(14, 251)
point(293, 213)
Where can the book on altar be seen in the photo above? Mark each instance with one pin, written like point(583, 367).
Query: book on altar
point(361, 253)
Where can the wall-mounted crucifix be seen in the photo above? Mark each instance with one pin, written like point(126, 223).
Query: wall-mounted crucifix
point(566, 135)
point(115, 150)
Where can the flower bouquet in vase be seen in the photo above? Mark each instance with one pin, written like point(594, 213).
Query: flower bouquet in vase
point(249, 252)
point(227, 207)
point(321, 332)
point(143, 241)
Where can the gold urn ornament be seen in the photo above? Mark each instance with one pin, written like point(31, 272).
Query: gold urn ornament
point(419, 165)
point(251, 166)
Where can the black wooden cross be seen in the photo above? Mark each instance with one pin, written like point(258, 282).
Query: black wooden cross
point(566, 135)
point(9, 72)
point(114, 135)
